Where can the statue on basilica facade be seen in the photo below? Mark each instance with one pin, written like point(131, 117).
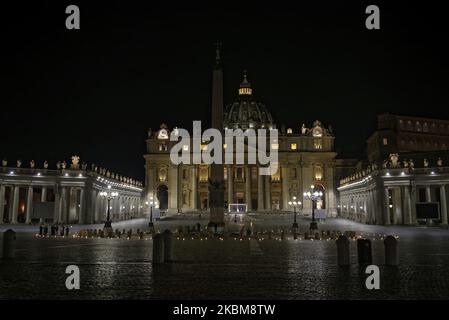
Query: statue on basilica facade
point(303, 129)
point(394, 157)
point(439, 162)
point(58, 165)
point(19, 163)
point(185, 196)
point(405, 163)
point(64, 164)
point(4, 162)
point(45, 164)
point(426, 163)
point(75, 162)
point(32, 164)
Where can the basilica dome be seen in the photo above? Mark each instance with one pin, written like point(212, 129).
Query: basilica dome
point(245, 112)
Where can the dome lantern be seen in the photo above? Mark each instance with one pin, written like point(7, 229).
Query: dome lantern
point(245, 112)
point(245, 86)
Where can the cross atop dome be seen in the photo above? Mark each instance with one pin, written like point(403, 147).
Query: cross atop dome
point(245, 86)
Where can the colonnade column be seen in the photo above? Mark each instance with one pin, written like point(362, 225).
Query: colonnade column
point(82, 208)
point(44, 194)
point(386, 217)
point(173, 189)
point(413, 196)
point(443, 204)
point(260, 202)
point(285, 194)
point(57, 205)
point(98, 208)
point(15, 205)
point(397, 206)
point(428, 194)
point(230, 185)
point(2, 202)
point(268, 192)
point(248, 198)
point(407, 206)
point(91, 207)
point(63, 206)
point(194, 186)
point(29, 204)
point(370, 209)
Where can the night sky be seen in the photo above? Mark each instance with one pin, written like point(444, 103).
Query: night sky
point(96, 91)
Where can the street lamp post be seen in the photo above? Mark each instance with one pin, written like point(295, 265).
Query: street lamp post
point(294, 204)
point(108, 195)
point(151, 203)
point(313, 195)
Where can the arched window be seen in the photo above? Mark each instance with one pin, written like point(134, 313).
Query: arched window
point(162, 174)
point(318, 172)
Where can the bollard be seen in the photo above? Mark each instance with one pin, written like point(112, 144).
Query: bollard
point(168, 246)
point(343, 251)
point(9, 245)
point(158, 249)
point(391, 251)
point(364, 251)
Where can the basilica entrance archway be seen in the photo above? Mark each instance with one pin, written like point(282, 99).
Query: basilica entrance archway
point(162, 196)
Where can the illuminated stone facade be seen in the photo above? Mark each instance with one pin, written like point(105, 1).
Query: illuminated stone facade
point(65, 195)
point(306, 157)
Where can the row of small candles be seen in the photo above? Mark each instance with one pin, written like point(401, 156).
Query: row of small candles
point(257, 238)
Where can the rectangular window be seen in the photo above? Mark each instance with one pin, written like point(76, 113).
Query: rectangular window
point(385, 141)
point(185, 147)
point(318, 144)
point(275, 146)
point(293, 146)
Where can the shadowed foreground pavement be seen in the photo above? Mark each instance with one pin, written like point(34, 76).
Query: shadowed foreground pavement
point(229, 269)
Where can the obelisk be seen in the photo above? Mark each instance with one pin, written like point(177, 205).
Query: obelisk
point(216, 180)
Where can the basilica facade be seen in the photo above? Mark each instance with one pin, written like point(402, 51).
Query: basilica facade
point(306, 157)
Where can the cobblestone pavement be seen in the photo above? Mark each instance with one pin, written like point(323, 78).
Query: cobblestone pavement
point(228, 269)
